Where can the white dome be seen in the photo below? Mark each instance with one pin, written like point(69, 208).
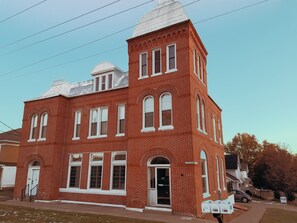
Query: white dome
point(103, 67)
point(167, 13)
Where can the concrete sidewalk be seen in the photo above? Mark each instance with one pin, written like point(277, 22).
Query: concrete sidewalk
point(94, 209)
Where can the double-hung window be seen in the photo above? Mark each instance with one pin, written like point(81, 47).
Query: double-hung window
point(218, 173)
point(33, 129)
point(121, 120)
point(214, 129)
point(143, 65)
point(75, 161)
point(118, 165)
point(95, 170)
point(148, 114)
point(171, 58)
point(220, 132)
point(195, 61)
point(203, 118)
point(198, 107)
point(43, 126)
point(98, 122)
point(77, 122)
point(166, 111)
point(157, 62)
point(198, 67)
point(204, 172)
point(223, 173)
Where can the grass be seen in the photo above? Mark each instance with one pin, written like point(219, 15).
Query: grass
point(13, 214)
point(274, 215)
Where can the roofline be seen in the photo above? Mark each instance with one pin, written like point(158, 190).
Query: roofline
point(215, 103)
point(5, 142)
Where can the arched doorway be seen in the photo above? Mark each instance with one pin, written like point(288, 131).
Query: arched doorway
point(33, 177)
point(159, 182)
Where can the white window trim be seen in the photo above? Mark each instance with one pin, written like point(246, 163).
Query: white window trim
point(106, 82)
point(223, 174)
point(140, 66)
point(41, 125)
point(220, 132)
point(195, 61)
point(75, 124)
point(165, 127)
point(218, 174)
point(69, 169)
point(198, 113)
point(99, 135)
point(167, 59)
point(117, 163)
point(153, 63)
point(31, 139)
point(203, 118)
point(93, 191)
point(214, 129)
point(118, 121)
point(147, 129)
point(95, 163)
point(206, 194)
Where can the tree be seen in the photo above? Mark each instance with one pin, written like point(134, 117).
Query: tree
point(247, 147)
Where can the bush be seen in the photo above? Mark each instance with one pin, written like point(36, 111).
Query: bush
point(277, 195)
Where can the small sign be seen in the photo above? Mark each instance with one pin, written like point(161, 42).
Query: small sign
point(283, 200)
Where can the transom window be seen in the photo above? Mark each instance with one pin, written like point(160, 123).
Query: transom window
point(118, 165)
point(43, 126)
point(143, 65)
point(95, 170)
point(75, 161)
point(98, 122)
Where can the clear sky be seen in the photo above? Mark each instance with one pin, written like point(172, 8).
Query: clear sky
point(252, 61)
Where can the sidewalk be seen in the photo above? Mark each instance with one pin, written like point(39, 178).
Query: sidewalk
point(120, 212)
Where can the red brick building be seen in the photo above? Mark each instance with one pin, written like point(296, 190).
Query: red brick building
point(149, 138)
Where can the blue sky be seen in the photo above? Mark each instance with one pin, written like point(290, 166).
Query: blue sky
point(252, 61)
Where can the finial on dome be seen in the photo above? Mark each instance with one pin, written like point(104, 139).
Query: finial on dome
point(164, 2)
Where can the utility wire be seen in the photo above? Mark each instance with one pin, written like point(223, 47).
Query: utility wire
point(77, 28)
point(10, 17)
point(77, 60)
point(10, 127)
point(91, 42)
point(59, 24)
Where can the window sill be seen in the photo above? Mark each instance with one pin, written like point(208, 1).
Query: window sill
point(75, 138)
point(157, 74)
point(93, 191)
point(152, 129)
point(31, 140)
point(205, 195)
point(164, 128)
point(42, 139)
point(144, 77)
point(97, 137)
point(120, 135)
point(170, 71)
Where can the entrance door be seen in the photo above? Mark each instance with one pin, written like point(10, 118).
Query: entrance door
point(163, 186)
point(34, 181)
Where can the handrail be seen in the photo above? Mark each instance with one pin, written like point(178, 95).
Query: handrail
point(32, 196)
point(24, 190)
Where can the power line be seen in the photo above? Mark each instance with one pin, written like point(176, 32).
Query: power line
point(59, 24)
point(77, 28)
point(10, 17)
point(10, 127)
point(91, 42)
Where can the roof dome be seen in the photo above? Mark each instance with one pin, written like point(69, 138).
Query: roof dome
point(103, 67)
point(167, 13)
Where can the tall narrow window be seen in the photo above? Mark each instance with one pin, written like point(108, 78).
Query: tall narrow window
point(94, 122)
point(202, 71)
point(157, 61)
point(203, 117)
point(109, 81)
point(43, 126)
point(98, 122)
point(75, 161)
point(204, 174)
point(148, 113)
point(223, 174)
point(214, 129)
point(171, 58)
point(104, 121)
point(97, 80)
point(121, 120)
point(103, 83)
point(220, 132)
point(198, 107)
point(95, 168)
point(143, 68)
point(166, 110)
point(195, 61)
point(199, 67)
point(33, 129)
point(118, 164)
point(218, 173)
point(77, 121)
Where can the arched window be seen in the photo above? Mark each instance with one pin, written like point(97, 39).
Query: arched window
point(198, 106)
point(33, 129)
point(203, 117)
point(159, 160)
point(218, 173)
point(166, 110)
point(43, 126)
point(204, 172)
point(148, 113)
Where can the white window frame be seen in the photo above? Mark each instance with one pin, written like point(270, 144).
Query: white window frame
point(204, 157)
point(220, 132)
point(168, 70)
point(214, 129)
point(198, 112)
point(153, 63)
point(147, 129)
point(43, 123)
point(99, 120)
point(203, 115)
point(162, 126)
point(141, 76)
point(119, 118)
point(118, 163)
point(218, 174)
point(223, 174)
point(98, 84)
point(95, 163)
point(77, 121)
point(198, 67)
point(34, 123)
point(74, 164)
point(195, 61)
